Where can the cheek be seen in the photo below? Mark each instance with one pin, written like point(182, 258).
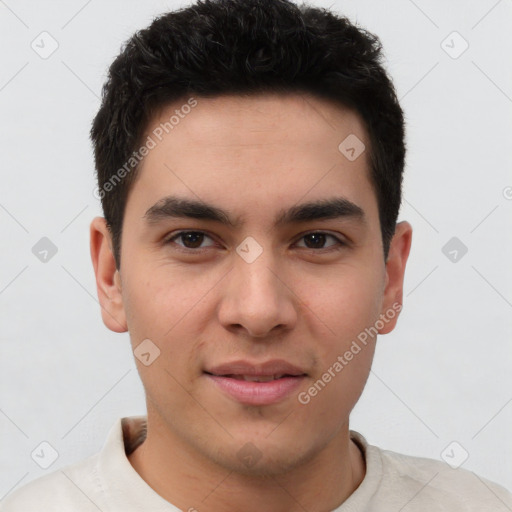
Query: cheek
point(172, 309)
point(162, 300)
point(344, 311)
point(165, 309)
point(344, 304)
point(336, 391)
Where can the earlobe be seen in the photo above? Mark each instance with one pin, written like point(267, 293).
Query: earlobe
point(108, 279)
point(395, 271)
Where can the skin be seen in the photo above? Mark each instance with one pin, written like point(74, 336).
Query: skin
point(306, 305)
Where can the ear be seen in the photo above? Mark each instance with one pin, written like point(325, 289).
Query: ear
point(395, 270)
point(108, 281)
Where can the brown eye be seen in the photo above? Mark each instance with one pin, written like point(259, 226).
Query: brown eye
point(190, 239)
point(318, 239)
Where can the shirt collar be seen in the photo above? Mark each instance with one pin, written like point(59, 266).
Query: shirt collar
point(128, 491)
point(122, 485)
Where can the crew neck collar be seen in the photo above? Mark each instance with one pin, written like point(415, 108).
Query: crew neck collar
point(128, 490)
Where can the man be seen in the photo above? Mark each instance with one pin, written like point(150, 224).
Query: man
point(249, 156)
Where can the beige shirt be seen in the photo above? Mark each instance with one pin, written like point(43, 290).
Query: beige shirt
point(107, 482)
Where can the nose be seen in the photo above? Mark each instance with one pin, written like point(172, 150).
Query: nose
point(257, 298)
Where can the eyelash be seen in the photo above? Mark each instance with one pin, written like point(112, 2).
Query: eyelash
point(336, 247)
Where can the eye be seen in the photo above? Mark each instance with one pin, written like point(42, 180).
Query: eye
point(193, 240)
point(317, 240)
point(190, 239)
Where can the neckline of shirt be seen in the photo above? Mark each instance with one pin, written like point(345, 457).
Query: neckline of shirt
point(123, 486)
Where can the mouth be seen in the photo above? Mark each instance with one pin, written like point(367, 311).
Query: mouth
point(254, 378)
point(257, 384)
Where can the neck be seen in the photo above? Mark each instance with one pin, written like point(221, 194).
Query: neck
point(192, 482)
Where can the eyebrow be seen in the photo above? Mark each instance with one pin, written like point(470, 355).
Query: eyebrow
point(324, 209)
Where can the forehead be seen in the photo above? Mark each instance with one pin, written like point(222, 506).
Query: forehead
point(259, 119)
point(256, 153)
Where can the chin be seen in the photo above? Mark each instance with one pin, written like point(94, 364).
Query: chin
point(263, 459)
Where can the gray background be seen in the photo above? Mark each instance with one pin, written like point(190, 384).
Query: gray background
point(443, 375)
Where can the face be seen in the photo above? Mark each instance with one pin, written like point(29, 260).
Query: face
point(251, 258)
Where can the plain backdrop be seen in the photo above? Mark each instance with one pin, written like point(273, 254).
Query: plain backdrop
point(443, 376)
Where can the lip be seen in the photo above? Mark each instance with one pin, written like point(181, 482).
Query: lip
point(271, 367)
point(257, 393)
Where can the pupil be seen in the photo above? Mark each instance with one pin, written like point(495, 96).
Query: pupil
point(318, 239)
point(194, 238)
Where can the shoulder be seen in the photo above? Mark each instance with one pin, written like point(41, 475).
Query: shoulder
point(428, 484)
point(73, 487)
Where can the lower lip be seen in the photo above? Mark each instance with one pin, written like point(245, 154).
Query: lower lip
point(258, 393)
